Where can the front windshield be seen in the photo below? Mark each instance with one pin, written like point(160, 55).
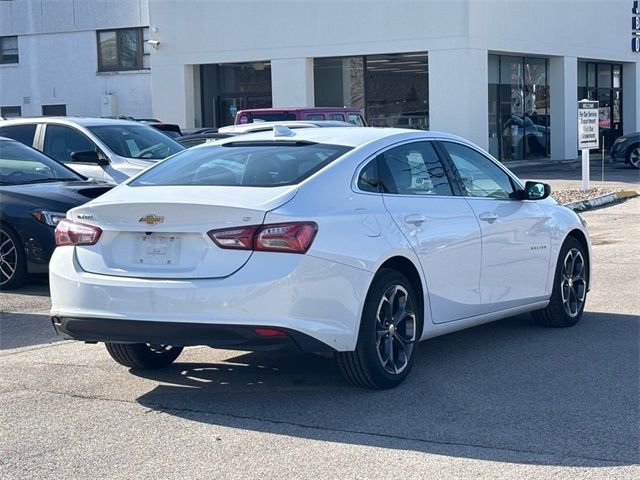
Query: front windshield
point(137, 141)
point(21, 165)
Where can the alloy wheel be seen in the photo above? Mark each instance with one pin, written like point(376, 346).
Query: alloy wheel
point(8, 258)
point(634, 157)
point(395, 329)
point(159, 349)
point(574, 283)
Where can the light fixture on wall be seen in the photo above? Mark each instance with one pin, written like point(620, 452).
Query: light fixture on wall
point(154, 43)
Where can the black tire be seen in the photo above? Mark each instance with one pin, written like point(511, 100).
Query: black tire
point(13, 264)
point(365, 367)
point(633, 155)
point(143, 356)
point(562, 311)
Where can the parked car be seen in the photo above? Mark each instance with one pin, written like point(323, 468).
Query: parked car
point(627, 149)
point(342, 114)
point(232, 130)
point(35, 194)
point(260, 126)
point(198, 131)
point(522, 129)
point(170, 129)
point(354, 241)
point(189, 141)
point(106, 149)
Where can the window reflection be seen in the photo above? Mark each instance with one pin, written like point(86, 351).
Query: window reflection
point(518, 107)
point(391, 89)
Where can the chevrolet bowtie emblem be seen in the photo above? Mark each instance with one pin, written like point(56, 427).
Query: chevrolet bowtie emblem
point(151, 219)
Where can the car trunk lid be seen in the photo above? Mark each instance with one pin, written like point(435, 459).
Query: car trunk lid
point(161, 232)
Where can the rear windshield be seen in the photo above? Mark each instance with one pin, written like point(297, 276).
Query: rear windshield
point(257, 165)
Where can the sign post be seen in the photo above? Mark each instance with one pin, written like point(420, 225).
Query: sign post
point(587, 134)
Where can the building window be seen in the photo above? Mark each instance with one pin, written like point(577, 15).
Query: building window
point(54, 110)
point(519, 97)
point(392, 89)
point(230, 87)
point(603, 82)
point(124, 49)
point(8, 49)
point(8, 112)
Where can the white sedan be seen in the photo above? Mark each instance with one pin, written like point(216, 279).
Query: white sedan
point(355, 241)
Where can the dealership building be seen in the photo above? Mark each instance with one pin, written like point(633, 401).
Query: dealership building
point(505, 74)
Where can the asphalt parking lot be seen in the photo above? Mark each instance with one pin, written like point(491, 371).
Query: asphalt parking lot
point(507, 400)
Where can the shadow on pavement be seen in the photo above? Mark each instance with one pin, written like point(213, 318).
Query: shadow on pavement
point(25, 330)
point(38, 288)
point(508, 391)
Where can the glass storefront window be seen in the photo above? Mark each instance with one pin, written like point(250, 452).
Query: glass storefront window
point(605, 85)
point(582, 74)
point(591, 74)
point(229, 87)
point(604, 75)
point(392, 89)
point(339, 82)
point(519, 108)
point(397, 91)
point(617, 78)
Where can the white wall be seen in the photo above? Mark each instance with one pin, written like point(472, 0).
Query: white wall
point(292, 82)
point(58, 62)
point(456, 33)
point(458, 102)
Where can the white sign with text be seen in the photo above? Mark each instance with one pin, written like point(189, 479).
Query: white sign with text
point(588, 130)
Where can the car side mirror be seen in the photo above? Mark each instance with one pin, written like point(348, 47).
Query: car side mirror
point(536, 191)
point(88, 156)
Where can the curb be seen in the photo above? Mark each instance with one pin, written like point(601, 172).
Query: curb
point(601, 201)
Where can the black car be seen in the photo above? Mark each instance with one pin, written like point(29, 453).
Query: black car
point(627, 149)
point(35, 194)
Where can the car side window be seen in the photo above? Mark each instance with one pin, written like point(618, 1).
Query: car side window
point(356, 120)
point(314, 116)
point(369, 180)
point(337, 116)
point(414, 169)
point(61, 141)
point(22, 133)
point(480, 177)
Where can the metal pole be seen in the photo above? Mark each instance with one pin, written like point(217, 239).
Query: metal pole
point(585, 169)
point(602, 158)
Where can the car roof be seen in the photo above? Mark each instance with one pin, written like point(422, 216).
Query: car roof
point(82, 121)
point(260, 126)
point(300, 109)
point(348, 137)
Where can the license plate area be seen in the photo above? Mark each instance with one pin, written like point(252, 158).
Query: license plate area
point(157, 249)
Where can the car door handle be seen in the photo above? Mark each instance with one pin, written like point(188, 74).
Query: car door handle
point(488, 217)
point(415, 219)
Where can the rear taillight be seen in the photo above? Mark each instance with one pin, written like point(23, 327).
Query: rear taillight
point(240, 238)
point(72, 233)
point(288, 237)
point(293, 237)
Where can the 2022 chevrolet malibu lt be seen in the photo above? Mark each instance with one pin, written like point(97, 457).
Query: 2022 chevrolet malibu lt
point(356, 241)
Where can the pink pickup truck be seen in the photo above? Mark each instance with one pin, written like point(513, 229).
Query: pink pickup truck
point(344, 114)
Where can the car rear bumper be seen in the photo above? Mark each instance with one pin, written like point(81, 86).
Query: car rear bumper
point(235, 337)
point(296, 293)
